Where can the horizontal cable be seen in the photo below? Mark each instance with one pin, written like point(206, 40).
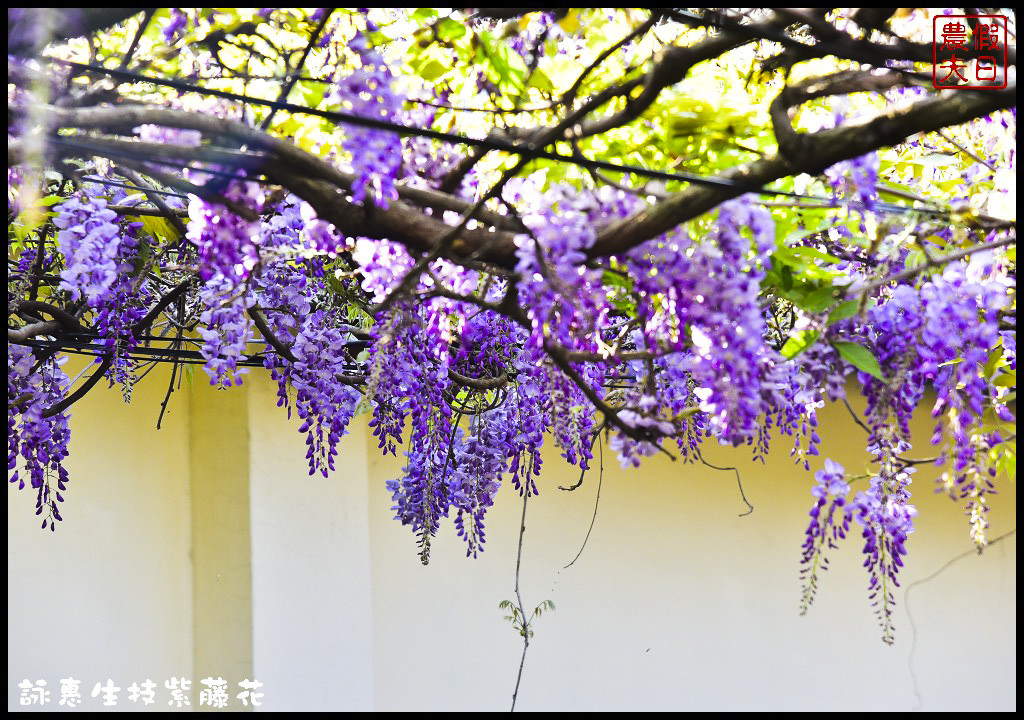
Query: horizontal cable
point(352, 371)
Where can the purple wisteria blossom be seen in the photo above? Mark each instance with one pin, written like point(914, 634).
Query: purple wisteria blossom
point(227, 243)
point(175, 27)
point(226, 329)
point(370, 92)
point(37, 445)
point(828, 525)
point(89, 240)
point(323, 401)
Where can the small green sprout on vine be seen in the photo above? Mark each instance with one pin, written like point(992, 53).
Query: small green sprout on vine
point(516, 618)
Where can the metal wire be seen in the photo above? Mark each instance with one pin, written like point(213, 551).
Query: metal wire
point(468, 401)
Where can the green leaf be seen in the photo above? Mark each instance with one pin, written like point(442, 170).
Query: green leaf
point(843, 310)
point(1006, 380)
point(819, 300)
point(993, 362)
point(796, 344)
point(29, 220)
point(159, 228)
point(448, 29)
point(431, 70)
point(787, 277)
point(800, 253)
point(507, 66)
point(540, 81)
point(313, 93)
point(860, 357)
point(614, 279)
point(937, 241)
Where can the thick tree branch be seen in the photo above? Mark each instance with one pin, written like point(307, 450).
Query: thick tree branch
point(839, 44)
point(66, 23)
point(793, 144)
point(66, 320)
point(407, 283)
point(82, 390)
point(173, 156)
point(399, 222)
point(280, 152)
point(824, 149)
point(182, 185)
point(268, 334)
point(323, 186)
point(478, 383)
point(27, 332)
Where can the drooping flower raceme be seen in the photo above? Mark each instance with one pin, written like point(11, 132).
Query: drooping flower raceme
point(324, 400)
point(417, 385)
point(824, 529)
point(479, 462)
point(564, 303)
point(376, 154)
point(939, 334)
point(228, 247)
point(887, 519)
point(89, 240)
point(712, 289)
point(226, 329)
point(123, 307)
point(227, 243)
point(100, 257)
point(38, 443)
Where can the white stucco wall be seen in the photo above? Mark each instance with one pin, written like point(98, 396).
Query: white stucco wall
point(311, 594)
point(675, 603)
point(109, 593)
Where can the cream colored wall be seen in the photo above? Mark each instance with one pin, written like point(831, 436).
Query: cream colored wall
point(221, 547)
point(675, 603)
point(109, 594)
point(312, 599)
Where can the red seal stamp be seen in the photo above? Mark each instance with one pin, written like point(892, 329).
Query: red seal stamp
point(969, 51)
